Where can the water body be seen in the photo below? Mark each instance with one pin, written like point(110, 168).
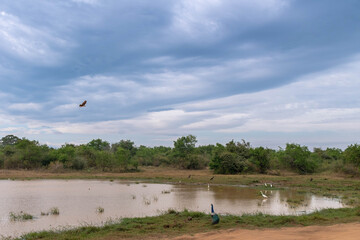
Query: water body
point(78, 200)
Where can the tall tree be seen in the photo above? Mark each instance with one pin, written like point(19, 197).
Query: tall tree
point(9, 140)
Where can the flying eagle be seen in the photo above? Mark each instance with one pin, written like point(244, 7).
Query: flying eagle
point(83, 104)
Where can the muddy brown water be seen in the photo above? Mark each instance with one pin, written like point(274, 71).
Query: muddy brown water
point(78, 200)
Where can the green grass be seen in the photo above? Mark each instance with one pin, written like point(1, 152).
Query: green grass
point(22, 216)
point(175, 223)
point(54, 211)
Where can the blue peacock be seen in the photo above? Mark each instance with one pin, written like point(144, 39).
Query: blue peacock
point(214, 216)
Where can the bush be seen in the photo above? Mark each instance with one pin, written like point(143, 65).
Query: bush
point(56, 167)
point(352, 154)
point(261, 158)
point(298, 159)
point(230, 163)
point(79, 163)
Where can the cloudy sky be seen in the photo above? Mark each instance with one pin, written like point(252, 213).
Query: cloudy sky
point(267, 71)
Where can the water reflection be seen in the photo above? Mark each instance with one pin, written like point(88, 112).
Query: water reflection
point(78, 201)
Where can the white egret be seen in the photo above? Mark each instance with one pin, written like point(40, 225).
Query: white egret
point(263, 194)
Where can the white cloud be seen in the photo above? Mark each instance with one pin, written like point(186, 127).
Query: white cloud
point(201, 18)
point(220, 121)
point(27, 42)
point(325, 101)
point(90, 2)
point(25, 106)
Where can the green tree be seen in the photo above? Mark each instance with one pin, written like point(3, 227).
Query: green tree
point(99, 144)
point(232, 159)
point(240, 148)
point(261, 158)
point(216, 160)
point(125, 144)
point(184, 155)
point(29, 153)
point(184, 146)
point(9, 140)
point(123, 158)
point(298, 158)
point(88, 153)
point(66, 154)
point(145, 156)
point(352, 155)
point(104, 160)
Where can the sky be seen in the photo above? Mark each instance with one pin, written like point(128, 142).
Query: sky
point(268, 71)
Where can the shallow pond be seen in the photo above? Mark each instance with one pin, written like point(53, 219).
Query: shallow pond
point(78, 200)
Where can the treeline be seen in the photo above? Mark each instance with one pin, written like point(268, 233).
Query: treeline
point(231, 158)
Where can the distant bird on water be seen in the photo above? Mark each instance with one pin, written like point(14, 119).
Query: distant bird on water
point(83, 104)
point(212, 178)
point(215, 218)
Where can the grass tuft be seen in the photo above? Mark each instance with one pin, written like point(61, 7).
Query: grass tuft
point(22, 216)
point(54, 211)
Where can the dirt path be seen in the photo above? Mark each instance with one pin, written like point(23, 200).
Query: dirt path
point(349, 231)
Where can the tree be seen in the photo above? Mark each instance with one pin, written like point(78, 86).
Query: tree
point(183, 153)
point(298, 158)
point(261, 158)
point(231, 159)
point(216, 161)
point(352, 154)
point(66, 154)
point(104, 160)
point(184, 146)
point(9, 140)
point(30, 153)
point(123, 157)
point(145, 155)
point(240, 148)
point(99, 144)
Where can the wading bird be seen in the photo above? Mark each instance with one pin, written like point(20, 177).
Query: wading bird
point(263, 194)
point(83, 104)
point(215, 218)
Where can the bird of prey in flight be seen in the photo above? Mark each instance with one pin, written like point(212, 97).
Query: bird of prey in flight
point(83, 104)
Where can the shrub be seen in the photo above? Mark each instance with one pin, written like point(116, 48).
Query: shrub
point(261, 158)
point(352, 154)
point(298, 159)
point(54, 211)
point(22, 216)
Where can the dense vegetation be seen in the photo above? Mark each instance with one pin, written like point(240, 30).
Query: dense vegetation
point(233, 158)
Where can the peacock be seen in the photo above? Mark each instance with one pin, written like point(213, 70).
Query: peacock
point(214, 216)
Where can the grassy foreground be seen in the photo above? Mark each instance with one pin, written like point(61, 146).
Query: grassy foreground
point(179, 223)
point(173, 224)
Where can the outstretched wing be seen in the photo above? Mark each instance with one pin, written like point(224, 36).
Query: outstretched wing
point(83, 104)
